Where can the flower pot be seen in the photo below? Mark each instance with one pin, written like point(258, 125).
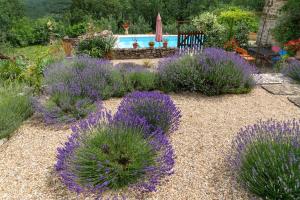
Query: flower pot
point(135, 45)
point(151, 46)
point(68, 47)
point(165, 44)
point(298, 55)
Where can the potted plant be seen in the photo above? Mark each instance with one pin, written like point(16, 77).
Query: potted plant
point(231, 45)
point(67, 46)
point(294, 46)
point(135, 44)
point(151, 44)
point(165, 43)
point(126, 27)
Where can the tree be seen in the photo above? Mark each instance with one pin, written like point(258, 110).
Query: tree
point(10, 10)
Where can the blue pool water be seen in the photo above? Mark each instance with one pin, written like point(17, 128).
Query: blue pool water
point(127, 41)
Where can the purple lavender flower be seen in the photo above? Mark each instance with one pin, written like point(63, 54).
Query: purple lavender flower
point(157, 109)
point(292, 70)
point(265, 158)
point(212, 72)
point(77, 159)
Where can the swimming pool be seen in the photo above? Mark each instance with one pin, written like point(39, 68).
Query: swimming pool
point(126, 41)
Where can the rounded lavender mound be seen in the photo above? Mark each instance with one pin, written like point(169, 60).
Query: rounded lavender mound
point(156, 108)
point(102, 155)
point(266, 159)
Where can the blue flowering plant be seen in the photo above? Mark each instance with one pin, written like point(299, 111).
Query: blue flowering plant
point(75, 88)
point(156, 108)
point(213, 72)
point(292, 70)
point(266, 158)
point(103, 155)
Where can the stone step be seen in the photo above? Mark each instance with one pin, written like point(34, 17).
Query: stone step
point(295, 100)
point(282, 89)
point(272, 78)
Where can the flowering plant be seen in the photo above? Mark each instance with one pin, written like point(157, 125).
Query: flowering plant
point(293, 45)
point(156, 108)
point(104, 155)
point(266, 158)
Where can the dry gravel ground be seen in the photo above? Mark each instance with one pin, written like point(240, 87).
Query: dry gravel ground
point(201, 145)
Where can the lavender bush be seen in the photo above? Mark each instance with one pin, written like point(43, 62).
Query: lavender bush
point(213, 72)
point(137, 77)
point(266, 159)
point(76, 86)
point(156, 108)
point(293, 70)
point(104, 155)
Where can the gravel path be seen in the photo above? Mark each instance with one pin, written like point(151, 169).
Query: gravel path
point(201, 145)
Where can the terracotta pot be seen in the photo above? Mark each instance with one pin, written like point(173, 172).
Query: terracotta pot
point(165, 44)
point(135, 45)
point(68, 47)
point(298, 55)
point(252, 36)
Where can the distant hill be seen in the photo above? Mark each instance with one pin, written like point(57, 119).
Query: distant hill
point(40, 8)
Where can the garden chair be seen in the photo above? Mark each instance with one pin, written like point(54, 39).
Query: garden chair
point(244, 54)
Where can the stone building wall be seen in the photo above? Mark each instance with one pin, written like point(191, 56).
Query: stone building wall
point(269, 17)
point(131, 53)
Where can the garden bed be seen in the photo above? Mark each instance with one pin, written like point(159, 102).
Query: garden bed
point(201, 146)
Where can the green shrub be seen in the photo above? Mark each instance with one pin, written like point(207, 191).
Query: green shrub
point(140, 26)
point(76, 30)
point(15, 107)
point(98, 47)
point(136, 77)
point(12, 69)
point(238, 23)
point(22, 33)
point(213, 30)
point(170, 28)
point(288, 25)
point(107, 24)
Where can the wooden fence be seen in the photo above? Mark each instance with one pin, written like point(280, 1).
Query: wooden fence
point(190, 41)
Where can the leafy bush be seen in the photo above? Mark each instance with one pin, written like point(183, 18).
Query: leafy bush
point(170, 28)
point(98, 47)
point(288, 25)
point(212, 73)
point(76, 30)
point(101, 155)
point(22, 33)
point(136, 77)
point(15, 107)
point(238, 23)
point(11, 69)
point(293, 70)
point(108, 23)
point(29, 64)
point(214, 31)
point(25, 32)
point(265, 158)
point(156, 108)
point(140, 26)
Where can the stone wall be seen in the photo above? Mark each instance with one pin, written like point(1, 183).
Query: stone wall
point(142, 53)
point(268, 22)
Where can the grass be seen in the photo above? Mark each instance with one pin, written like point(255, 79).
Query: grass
point(15, 107)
